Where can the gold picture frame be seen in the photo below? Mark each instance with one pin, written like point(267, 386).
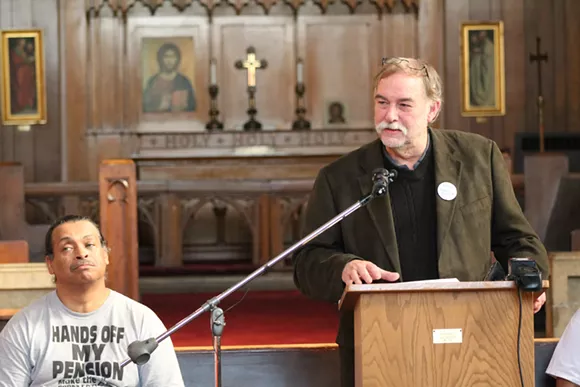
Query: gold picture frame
point(482, 69)
point(22, 83)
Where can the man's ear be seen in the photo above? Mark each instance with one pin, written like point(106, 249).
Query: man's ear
point(48, 260)
point(107, 251)
point(433, 111)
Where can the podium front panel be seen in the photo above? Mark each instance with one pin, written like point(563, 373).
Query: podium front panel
point(445, 338)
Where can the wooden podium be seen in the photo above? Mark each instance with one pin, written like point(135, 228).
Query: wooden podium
point(441, 334)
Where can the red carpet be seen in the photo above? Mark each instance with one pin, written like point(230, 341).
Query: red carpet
point(261, 318)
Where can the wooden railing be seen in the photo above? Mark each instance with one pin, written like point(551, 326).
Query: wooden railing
point(268, 212)
point(169, 211)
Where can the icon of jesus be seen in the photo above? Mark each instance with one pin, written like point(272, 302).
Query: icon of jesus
point(168, 90)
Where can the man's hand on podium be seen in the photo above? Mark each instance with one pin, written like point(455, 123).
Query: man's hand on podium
point(541, 300)
point(358, 270)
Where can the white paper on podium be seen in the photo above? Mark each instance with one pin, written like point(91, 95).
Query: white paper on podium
point(441, 280)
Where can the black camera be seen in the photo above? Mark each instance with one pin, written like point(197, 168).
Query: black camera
point(525, 273)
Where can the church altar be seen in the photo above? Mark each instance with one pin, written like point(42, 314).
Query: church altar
point(263, 143)
point(267, 154)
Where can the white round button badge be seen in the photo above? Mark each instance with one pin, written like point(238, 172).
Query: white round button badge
point(447, 191)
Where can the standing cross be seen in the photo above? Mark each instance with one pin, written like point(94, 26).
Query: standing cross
point(251, 65)
point(539, 57)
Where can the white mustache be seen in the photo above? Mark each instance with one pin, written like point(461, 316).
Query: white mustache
point(393, 126)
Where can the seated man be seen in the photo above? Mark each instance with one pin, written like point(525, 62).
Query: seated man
point(79, 333)
point(565, 363)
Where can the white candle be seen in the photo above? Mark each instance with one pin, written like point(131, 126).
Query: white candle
point(300, 72)
point(212, 72)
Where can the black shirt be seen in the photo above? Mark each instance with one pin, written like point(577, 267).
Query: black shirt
point(413, 204)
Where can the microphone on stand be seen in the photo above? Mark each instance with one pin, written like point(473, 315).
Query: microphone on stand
point(381, 179)
point(140, 351)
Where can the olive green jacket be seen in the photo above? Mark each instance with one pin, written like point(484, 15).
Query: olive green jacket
point(484, 217)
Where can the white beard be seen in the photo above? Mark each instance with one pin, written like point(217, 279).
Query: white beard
point(390, 142)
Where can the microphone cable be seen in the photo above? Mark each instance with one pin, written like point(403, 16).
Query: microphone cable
point(519, 337)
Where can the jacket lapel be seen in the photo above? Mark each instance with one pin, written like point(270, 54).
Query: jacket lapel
point(447, 169)
point(380, 208)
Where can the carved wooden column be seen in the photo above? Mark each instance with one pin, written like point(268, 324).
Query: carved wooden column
point(170, 238)
point(12, 213)
point(261, 243)
point(118, 221)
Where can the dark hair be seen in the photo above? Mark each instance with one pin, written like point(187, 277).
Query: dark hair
point(166, 47)
point(49, 248)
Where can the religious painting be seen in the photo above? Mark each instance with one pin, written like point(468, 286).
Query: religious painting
point(23, 93)
point(335, 113)
point(168, 71)
point(482, 69)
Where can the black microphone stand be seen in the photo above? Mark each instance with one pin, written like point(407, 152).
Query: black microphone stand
point(140, 351)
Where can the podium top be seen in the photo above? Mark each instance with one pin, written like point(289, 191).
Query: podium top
point(352, 292)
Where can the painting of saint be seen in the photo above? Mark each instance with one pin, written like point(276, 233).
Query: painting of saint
point(168, 69)
point(23, 91)
point(482, 68)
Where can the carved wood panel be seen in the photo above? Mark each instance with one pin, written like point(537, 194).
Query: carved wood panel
point(275, 99)
point(94, 8)
point(400, 35)
point(341, 55)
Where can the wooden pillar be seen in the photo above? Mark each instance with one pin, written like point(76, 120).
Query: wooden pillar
point(262, 232)
point(12, 210)
point(276, 226)
point(542, 173)
point(118, 221)
point(170, 238)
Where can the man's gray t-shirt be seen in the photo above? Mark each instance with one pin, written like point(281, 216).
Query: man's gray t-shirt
point(46, 344)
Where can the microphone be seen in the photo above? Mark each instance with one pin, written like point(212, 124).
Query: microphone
point(525, 273)
point(381, 180)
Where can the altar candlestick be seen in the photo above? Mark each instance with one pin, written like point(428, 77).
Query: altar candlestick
point(212, 72)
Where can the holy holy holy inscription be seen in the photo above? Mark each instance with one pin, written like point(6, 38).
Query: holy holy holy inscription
point(268, 142)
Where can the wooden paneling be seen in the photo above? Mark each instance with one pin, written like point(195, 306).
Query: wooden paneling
point(431, 39)
point(573, 55)
point(273, 40)
point(38, 149)
point(399, 36)
point(341, 56)
point(554, 21)
point(12, 216)
point(75, 56)
point(515, 58)
point(455, 13)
